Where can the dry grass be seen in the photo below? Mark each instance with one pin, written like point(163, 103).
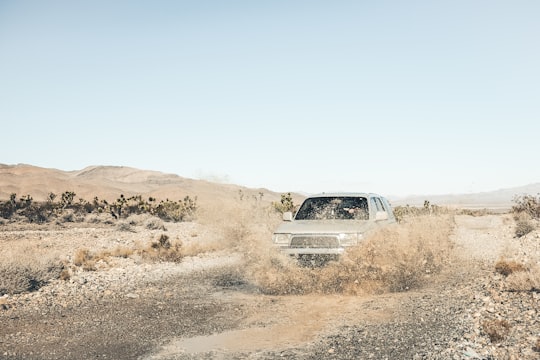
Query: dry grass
point(523, 227)
point(527, 280)
point(122, 252)
point(497, 330)
point(163, 250)
point(85, 259)
point(88, 260)
point(27, 269)
point(393, 259)
point(524, 224)
point(536, 346)
point(154, 223)
point(507, 267)
point(125, 226)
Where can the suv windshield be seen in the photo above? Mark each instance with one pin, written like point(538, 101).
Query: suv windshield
point(330, 208)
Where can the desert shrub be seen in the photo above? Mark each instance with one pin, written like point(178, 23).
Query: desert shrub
point(65, 275)
point(27, 271)
point(93, 219)
point(8, 208)
point(497, 330)
point(35, 213)
point(123, 252)
point(119, 251)
point(526, 280)
point(536, 346)
point(17, 279)
point(69, 210)
point(125, 226)
point(527, 204)
point(154, 224)
point(523, 227)
point(104, 256)
point(506, 267)
point(68, 216)
point(67, 199)
point(402, 212)
point(176, 210)
point(163, 250)
point(88, 260)
point(285, 204)
point(85, 259)
point(473, 212)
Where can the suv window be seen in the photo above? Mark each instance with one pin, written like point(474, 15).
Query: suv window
point(334, 207)
point(376, 205)
point(380, 205)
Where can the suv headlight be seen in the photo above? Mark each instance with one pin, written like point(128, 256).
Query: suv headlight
point(349, 239)
point(281, 239)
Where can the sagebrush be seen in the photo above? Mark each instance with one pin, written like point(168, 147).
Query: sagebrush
point(26, 269)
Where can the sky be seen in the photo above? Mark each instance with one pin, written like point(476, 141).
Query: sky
point(394, 97)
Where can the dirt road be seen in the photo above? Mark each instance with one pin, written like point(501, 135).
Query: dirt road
point(204, 312)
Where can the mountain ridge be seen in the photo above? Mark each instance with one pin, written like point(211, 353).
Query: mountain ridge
point(108, 182)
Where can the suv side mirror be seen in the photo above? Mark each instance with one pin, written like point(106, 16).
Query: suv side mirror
point(287, 216)
point(381, 215)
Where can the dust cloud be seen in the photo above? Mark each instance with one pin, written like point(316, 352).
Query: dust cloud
point(398, 258)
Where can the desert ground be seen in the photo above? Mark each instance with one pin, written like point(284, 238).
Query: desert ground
point(444, 284)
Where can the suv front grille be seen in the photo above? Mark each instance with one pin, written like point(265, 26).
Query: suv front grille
point(315, 241)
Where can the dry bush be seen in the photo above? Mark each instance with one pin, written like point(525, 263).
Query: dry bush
point(497, 330)
point(93, 219)
point(85, 259)
point(163, 250)
point(71, 216)
point(526, 280)
point(160, 250)
point(27, 269)
point(536, 346)
point(474, 212)
point(125, 226)
point(527, 204)
point(523, 227)
point(88, 260)
point(154, 223)
point(65, 275)
point(507, 267)
point(403, 212)
point(393, 259)
point(121, 251)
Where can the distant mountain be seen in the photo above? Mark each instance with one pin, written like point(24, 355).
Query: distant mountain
point(109, 182)
point(502, 199)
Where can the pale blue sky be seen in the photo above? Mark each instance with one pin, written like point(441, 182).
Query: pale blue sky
point(396, 97)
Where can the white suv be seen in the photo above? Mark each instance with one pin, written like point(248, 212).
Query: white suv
point(326, 224)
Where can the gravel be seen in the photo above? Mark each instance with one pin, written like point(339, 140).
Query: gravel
point(129, 308)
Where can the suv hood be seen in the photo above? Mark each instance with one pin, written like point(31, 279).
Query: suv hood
point(324, 227)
